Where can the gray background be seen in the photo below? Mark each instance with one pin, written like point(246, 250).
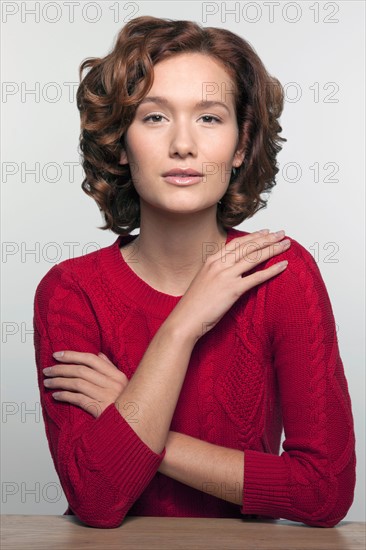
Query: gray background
point(316, 51)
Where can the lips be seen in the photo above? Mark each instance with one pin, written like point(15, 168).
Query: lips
point(182, 172)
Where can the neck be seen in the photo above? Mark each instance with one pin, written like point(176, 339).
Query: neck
point(170, 249)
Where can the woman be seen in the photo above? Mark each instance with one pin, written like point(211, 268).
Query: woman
point(188, 347)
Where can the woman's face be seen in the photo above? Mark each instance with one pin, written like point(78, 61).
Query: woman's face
point(179, 134)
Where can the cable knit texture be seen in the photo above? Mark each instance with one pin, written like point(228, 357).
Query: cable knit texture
point(271, 363)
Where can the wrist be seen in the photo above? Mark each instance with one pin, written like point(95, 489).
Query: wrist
point(179, 330)
point(164, 465)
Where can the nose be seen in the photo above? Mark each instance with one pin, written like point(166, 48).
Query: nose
point(182, 140)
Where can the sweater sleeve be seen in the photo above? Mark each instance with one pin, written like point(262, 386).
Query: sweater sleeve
point(313, 480)
point(102, 464)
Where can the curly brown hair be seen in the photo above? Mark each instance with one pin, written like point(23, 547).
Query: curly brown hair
point(108, 96)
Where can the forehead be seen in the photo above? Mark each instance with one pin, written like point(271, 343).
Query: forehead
point(192, 76)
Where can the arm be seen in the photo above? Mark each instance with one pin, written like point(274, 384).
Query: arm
point(89, 453)
point(213, 469)
point(157, 382)
point(313, 480)
point(102, 463)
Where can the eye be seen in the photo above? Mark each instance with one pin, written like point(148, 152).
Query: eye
point(211, 117)
point(153, 116)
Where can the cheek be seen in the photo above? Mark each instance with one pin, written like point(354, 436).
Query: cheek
point(142, 145)
point(135, 150)
point(221, 146)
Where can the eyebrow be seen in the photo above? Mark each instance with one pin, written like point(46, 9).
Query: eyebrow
point(200, 104)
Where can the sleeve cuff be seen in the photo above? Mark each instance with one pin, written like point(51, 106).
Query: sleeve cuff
point(114, 447)
point(265, 485)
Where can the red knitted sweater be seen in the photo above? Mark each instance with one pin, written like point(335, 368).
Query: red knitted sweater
point(271, 362)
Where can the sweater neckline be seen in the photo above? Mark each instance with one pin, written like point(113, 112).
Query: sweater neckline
point(145, 296)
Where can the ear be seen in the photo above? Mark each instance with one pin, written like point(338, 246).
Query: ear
point(238, 158)
point(239, 154)
point(123, 157)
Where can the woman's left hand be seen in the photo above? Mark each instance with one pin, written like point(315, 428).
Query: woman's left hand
point(91, 382)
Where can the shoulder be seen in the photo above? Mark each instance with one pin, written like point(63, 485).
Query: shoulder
point(301, 278)
point(302, 270)
point(67, 294)
point(80, 271)
point(298, 288)
point(297, 255)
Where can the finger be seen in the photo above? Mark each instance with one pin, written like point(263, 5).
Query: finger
point(248, 246)
point(90, 360)
point(106, 358)
point(107, 380)
point(90, 406)
point(257, 237)
point(267, 241)
point(261, 276)
point(252, 258)
point(75, 385)
point(78, 371)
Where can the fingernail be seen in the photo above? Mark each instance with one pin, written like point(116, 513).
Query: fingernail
point(58, 353)
point(279, 233)
point(264, 231)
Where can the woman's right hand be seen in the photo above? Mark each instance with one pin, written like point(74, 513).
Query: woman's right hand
point(221, 281)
